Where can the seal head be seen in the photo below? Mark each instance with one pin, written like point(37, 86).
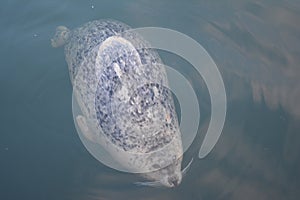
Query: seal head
point(169, 176)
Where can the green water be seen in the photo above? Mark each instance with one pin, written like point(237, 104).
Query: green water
point(256, 48)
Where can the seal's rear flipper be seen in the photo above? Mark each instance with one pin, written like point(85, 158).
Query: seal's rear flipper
point(61, 36)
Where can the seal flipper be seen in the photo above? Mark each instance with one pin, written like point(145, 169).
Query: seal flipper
point(82, 124)
point(61, 36)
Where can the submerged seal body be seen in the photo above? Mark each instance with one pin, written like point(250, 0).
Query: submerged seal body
point(121, 89)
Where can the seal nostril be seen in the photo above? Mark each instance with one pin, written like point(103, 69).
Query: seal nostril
point(173, 181)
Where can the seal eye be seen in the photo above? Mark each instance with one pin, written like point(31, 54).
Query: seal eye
point(156, 166)
point(174, 158)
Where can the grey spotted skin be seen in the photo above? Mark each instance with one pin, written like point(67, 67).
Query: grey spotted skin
point(122, 90)
point(133, 106)
point(84, 39)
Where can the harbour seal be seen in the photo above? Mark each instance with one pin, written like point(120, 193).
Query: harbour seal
point(126, 106)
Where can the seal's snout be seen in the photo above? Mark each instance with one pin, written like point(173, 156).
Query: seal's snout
point(174, 181)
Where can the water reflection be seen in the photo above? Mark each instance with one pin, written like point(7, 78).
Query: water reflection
point(255, 46)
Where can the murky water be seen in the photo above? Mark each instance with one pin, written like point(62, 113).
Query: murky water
point(256, 48)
